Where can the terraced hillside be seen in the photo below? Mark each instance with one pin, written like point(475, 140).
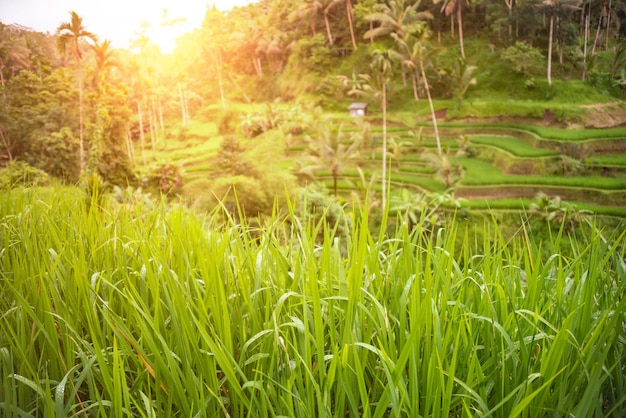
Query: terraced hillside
point(496, 165)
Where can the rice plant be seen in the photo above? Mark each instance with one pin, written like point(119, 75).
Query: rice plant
point(111, 310)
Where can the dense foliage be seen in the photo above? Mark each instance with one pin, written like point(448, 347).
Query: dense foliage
point(85, 106)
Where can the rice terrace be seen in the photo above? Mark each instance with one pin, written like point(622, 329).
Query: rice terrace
point(314, 208)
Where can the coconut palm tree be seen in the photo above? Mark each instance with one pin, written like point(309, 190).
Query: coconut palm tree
point(455, 6)
point(329, 151)
point(414, 45)
point(69, 38)
point(311, 10)
point(397, 19)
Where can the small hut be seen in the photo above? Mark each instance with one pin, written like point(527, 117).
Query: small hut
point(358, 109)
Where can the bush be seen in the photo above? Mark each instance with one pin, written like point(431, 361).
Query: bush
point(19, 173)
point(523, 58)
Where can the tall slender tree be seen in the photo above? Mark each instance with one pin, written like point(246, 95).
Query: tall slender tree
point(455, 6)
point(70, 36)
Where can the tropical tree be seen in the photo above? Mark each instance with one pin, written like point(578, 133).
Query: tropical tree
point(69, 38)
point(553, 7)
point(398, 19)
point(14, 52)
point(415, 46)
point(455, 6)
point(328, 150)
point(376, 86)
point(462, 79)
point(106, 60)
point(350, 15)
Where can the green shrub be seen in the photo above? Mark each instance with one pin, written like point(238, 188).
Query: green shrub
point(20, 174)
point(523, 58)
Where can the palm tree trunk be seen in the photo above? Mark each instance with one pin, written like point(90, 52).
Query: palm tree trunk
point(414, 81)
point(550, 49)
point(584, 75)
point(432, 107)
point(452, 26)
point(152, 123)
point(459, 16)
point(141, 133)
point(608, 25)
point(327, 23)
point(161, 123)
point(595, 39)
point(129, 146)
point(349, 13)
point(183, 107)
point(81, 136)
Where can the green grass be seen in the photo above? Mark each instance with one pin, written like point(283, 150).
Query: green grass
point(482, 173)
point(515, 146)
point(125, 311)
point(613, 159)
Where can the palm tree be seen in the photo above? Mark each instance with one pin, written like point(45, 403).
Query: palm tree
point(329, 151)
point(462, 79)
point(449, 7)
point(395, 17)
point(397, 20)
point(553, 6)
point(310, 11)
point(105, 61)
point(414, 46)
point(69, 38)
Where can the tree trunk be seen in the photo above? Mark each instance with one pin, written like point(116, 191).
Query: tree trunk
point(550, 49)
point(152, 123)
point(161, 123)
point(81, 128)
point(129, 146)
point(459, 16)
point(595, 39)
point(142, 136)
point(509, 4)
point(608, 25)
point(183, 107)
point(218, 56)
point(414, 81)
point(452, 26)
point(327, 23)
point(584, 75)
point(349, 13)
point(432, 108)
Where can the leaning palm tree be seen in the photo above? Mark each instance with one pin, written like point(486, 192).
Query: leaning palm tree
point(69, 38)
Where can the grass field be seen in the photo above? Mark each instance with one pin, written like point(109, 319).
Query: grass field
point(114, 310)
point(514, 146)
